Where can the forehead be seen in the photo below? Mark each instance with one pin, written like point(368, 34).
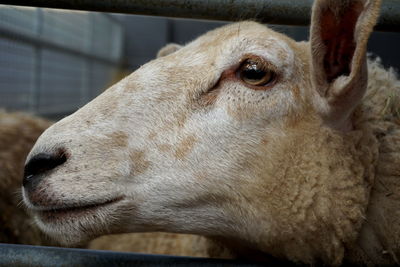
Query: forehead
point(235, 40)
point(236, 30)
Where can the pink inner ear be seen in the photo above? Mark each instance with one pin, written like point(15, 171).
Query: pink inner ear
point(337, 33)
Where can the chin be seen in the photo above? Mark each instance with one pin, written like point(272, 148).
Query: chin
point(73, 226)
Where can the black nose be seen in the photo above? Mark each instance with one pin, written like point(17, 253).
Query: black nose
point(41, 163)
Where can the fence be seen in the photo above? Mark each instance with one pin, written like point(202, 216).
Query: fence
point(290, 12)
point(85, 58)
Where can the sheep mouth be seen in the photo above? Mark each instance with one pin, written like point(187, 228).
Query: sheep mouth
point(62, 213)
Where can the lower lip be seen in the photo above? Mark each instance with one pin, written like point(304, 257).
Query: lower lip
point(74, 212)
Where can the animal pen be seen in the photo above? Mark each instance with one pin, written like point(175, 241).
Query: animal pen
point(91, 60)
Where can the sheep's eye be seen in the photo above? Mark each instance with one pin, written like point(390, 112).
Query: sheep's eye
point(255, 73)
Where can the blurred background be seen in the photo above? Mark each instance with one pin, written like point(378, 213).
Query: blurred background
point(54, 61)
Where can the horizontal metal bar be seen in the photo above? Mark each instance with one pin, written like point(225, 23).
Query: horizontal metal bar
point(39, 42)
point(289, 12)
point(24, 255)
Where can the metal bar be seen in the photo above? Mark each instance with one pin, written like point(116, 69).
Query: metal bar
point(35, 98)
point(289, 12)
point(24, 255)
point(34, 93)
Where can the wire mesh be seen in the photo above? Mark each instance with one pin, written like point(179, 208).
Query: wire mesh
point(54, 61)
point(17, 62)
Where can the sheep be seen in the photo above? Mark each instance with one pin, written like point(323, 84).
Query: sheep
point(267, 146)
point(18, 133)
point(157, 243)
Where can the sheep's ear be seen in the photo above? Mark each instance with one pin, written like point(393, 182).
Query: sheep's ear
point(168, 49)
point(339, 34)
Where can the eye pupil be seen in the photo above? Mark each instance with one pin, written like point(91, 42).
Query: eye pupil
point(253, 73)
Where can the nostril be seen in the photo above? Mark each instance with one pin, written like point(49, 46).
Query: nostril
point(41, 163)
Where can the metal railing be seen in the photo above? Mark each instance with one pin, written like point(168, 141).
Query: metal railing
point(30, 256)
point(288, 12)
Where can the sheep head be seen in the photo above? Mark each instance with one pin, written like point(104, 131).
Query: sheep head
point(243, 135)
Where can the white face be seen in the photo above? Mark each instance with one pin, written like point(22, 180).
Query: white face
point(165, 148)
